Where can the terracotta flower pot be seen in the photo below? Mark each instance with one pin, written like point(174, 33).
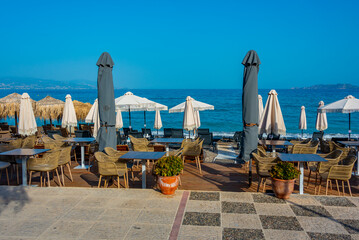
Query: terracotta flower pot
point(282, 188)
point(168, 185)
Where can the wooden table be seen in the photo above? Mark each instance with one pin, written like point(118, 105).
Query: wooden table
point(167, 141)
point(82, 142)
point(356, 145)
point(301, 158)
point(143, 156)
point(24, 154)
point(274, 143)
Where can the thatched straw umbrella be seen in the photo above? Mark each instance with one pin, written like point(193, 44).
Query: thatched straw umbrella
point(49, 108)
point(81, 109)
point(10, 106)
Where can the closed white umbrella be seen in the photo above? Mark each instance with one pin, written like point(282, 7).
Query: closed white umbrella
point(260, 108)
point(349, 105)
point(27, 122)
point(119, 122)
point(198, 119)
point(272, 119)
point(158, 121)
point(321, 123)
point(189, 119)
point(94, 117)
point(302, 120)
point(197, 106)
point(69, 116)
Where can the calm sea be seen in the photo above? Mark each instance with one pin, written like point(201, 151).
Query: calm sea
point(227, 116)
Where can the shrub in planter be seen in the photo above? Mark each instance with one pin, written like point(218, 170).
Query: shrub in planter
point(283, 177)
point(167, 170)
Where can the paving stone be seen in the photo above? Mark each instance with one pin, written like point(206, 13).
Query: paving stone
point(143, 231)
point(106, 230)
point(310, 211)
point(265, 198)
point(355, 236)
point(162, 203)
point(244, 221)
point(344, 212)
point(203, 206)
point(65, 229)
point(95, 202)
point(83, 214)
point(328, 236)
point(5, 227)
point(202, 219)
point(199, 232)
point(352, 226)
point(156, 217)
point(321, 225)
point(280, 223)
point(236, 197)
point(271, 234)
point(204, 196)
point(297, 199)
point(238, 207)
point(127, 203)
point(29, 228)
point(273, 209)
point(239, 234)
point(119, 215)
point(354, 200)
point(335, 201)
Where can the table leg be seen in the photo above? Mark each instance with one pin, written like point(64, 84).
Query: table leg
point(144, 174)
point(167, 149)
point(24, 170)
point(82, 166)
point(301, 178)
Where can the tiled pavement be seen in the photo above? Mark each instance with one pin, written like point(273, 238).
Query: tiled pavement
point(79, 213)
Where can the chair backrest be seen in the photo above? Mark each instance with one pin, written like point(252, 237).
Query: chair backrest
point(82, 134)
point(136, 134)
point(264, 164)
point(29, 142)
point(146, 131)
point(64, 132)
point(167, 132)
point(207, 138)
point(192, 149)
point(324, 146)
point(58, 137)
point(177, 133)
point(65, 155)
point(14, 144)
point(237, 137)
point(202, 130)
point(51, 133)
point(317, 135)
point(52, 158)
point(5, 134)
point(5, 127)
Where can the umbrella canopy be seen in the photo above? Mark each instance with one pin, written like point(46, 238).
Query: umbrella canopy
point(189, 119)
point(349, 105)
point(81, 109)
point(93, 117)
point(272, 120)
point(10, 106)
point(260, 108)
point(250, 109)
point(302, 120)
point(69, 116)
point(119, 122)
point(197, 119)
point(49, 108)
point(197, 106)
point(158, 120)
point(321, 123)
point(27, 122)
point(106, 136)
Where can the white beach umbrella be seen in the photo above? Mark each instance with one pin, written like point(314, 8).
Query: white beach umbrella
point(119, 122)
point(260, 108)
point(69, 116)
point(189, 119)
point(348, 105)
point(94, 117)
point(321, 123)
point(158, 121)
point(197, 118)
point(27, 122)
point(272, 119)
point(197, 106)
point(302, 120)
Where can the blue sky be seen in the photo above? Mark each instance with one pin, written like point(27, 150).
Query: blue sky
point(182, 44)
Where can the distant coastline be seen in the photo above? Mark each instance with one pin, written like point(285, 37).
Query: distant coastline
point(339, 86)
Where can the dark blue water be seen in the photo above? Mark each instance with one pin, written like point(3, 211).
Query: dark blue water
point(226, 118)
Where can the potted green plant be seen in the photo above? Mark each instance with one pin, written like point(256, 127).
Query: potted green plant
point(283, 177)
point(167, 170)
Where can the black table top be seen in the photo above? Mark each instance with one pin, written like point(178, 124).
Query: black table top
point(143, 155)
point(79, 140)
point(275, 142)
point(350, 143)
point(167, 140)
point(24, 152)
point(289, 157)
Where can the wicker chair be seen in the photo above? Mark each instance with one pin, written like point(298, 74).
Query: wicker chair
point(324, 146)
point(14, 144)
point(323, 168)
point(108, 169)
point(308, 148)
point(340, 173)
point(65, 160)
point(29, 142)
point(115, 155)
point(193, 150)
point(140, 144)
point(263, 166)
point(345, 150)
point(48, 163)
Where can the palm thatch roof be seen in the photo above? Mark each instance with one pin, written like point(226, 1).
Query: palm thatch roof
point(49, 108)
point(81, 109)
point(11, 104)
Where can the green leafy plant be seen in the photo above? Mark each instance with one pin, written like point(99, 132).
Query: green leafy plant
point(168, 166)
point(284, 171)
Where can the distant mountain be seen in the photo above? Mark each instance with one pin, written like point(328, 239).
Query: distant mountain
point(35, 83)
point(330, 86)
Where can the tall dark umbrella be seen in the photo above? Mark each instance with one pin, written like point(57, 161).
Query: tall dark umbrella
point(250, 107)
point(106, 136)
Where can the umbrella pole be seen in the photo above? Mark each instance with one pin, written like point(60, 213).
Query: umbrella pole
point(144, 116)
point(349, 127)
point(129, 116)
point(302, 133)
point(16, 119)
